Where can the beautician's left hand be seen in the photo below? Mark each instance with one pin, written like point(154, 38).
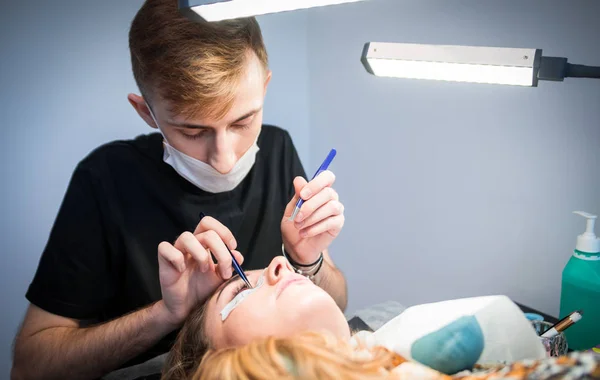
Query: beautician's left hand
point(319, 221)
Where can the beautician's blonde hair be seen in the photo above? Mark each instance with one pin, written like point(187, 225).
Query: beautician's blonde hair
point(194, 65)
point(307, 355)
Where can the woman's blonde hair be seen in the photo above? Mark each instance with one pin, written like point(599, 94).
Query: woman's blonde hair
point(189, 347)
point(307, 355)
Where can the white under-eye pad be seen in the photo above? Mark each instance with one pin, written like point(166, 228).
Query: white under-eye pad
point(240, 297)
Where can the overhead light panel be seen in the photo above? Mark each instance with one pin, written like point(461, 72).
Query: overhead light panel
point(217, 10)
point(508, 66)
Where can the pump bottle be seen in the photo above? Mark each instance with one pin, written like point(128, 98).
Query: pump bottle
point(580, 289)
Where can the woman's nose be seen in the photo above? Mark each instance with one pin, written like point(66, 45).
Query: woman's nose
point(278, 269)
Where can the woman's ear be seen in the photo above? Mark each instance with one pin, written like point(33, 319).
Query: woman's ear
point(141, 107)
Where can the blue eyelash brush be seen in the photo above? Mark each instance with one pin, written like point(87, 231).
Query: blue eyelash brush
point(322, 168)
point(236, 266)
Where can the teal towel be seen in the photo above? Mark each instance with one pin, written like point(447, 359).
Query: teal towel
point(452, 348)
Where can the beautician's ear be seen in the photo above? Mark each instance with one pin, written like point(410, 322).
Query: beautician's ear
point(139, 104)
point(268, 79)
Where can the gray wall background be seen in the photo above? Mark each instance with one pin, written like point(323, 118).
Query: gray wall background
point(450, 189)
point(455, 190)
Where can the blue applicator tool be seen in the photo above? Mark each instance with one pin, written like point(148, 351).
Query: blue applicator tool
point(236, 266)
point(322, 168)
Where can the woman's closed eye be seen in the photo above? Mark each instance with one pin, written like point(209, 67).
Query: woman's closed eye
point(235, 285)
point(239, 287)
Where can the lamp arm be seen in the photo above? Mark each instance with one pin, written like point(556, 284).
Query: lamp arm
point(557, 69)
point(582, 71)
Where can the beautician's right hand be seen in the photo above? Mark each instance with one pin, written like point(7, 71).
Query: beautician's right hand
point(186, 270)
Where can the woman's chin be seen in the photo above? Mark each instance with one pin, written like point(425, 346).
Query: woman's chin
point(314, 309)
point(306, 296)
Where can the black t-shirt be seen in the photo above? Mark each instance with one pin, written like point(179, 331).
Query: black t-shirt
point(101, 259)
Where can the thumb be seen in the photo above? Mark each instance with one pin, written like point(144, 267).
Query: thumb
point(299, 184)
point(171, 264)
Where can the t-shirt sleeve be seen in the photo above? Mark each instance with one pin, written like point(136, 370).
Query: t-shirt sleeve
point(74, 278)
point(295, 166)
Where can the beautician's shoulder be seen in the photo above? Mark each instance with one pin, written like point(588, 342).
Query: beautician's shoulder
point(276, 143)
point(280, 154)
point(273, 136)
point(122, 155)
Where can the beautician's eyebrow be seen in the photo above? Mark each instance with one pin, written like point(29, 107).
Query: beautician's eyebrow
point(232, 279)
point(198, 126)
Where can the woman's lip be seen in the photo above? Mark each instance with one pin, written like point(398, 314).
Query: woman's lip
point(287, 282)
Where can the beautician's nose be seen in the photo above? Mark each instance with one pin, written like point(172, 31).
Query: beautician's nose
point(278, 269)
point(223, 157)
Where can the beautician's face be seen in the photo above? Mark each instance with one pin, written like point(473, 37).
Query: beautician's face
point(285, 304)
point(219, 143)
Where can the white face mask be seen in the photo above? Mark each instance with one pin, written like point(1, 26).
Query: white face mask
point(203, 175)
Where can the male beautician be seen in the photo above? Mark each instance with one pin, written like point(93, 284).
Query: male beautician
point(95, 301)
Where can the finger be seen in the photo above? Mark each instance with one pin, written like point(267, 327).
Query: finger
point(189, 244)
point(169, 255)
point(238, 256)
point(323, 180)
point(332, 225)
point(299, 183)
point(331, 208)
point(211, 240)
point(209, 223)
point(324, 196)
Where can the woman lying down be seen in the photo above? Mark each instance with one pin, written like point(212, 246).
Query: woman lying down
point(288, 328)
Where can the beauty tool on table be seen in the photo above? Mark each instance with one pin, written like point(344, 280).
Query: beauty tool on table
point(236, 266)
point(563, 324)
point(322, 168)
point(555, 344)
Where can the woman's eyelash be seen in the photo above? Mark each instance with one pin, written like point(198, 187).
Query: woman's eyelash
point(240, 287)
